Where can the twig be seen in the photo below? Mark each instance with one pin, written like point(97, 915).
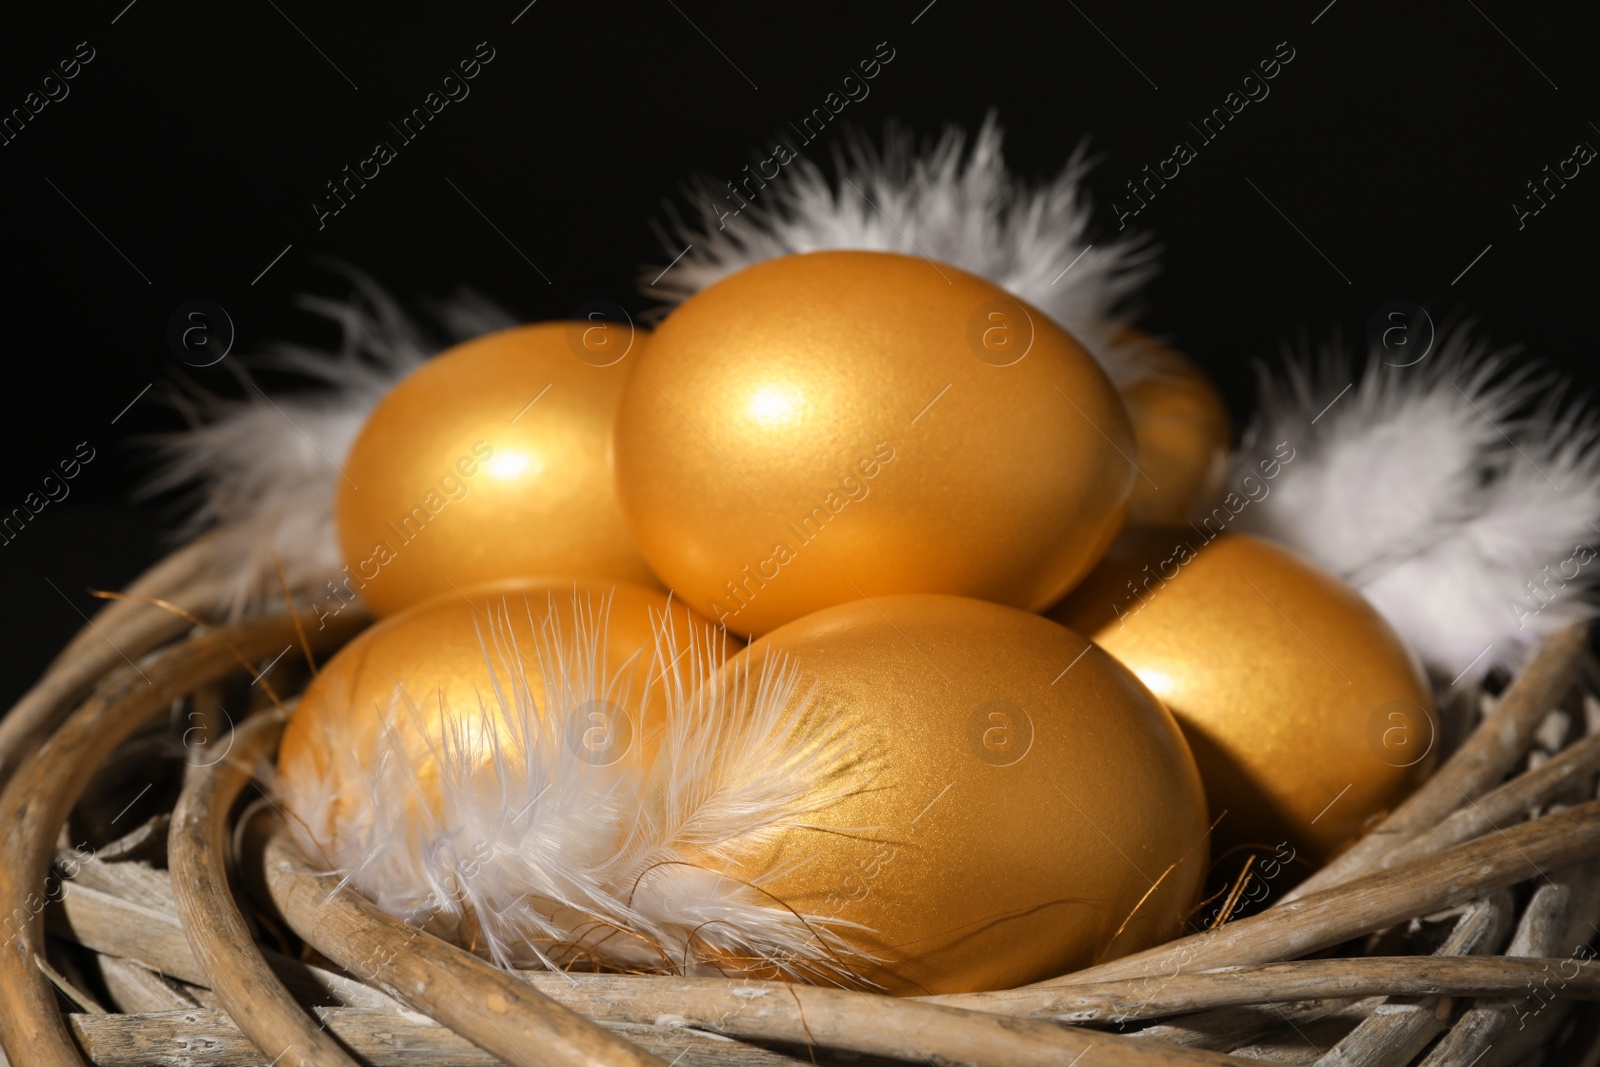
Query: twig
point(349, 930)
point(237, 971)
point(1393, 1038)
point(488, 1006)
point(42, 791)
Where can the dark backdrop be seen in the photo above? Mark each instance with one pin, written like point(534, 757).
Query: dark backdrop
point(186, 154)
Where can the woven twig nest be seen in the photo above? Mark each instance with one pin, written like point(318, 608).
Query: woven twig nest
point(159, 915)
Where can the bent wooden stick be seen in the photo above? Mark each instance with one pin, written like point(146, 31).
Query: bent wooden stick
point(382, 1038)
point(1394, 1034)
point(1269, 983)
point(488, 1006)
point(450, 984)
point(197, 846)
point(41, 794)
point(1557, 916)
point(1508, 804)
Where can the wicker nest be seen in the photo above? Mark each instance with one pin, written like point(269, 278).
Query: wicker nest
point(159, 914)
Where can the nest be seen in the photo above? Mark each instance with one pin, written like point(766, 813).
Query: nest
point(158, 913)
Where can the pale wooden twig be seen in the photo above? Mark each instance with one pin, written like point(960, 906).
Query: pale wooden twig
point(1469, 1039)
point(1486, 756)
point(107, 924)
point(1393, 1034)
point(488, 1006)
point(1273, 1032)
point(356, 934)
point(135, 883)
point(113, 926)
point(1516, 1046)
point(135, 988)
point(117, 927)
point(1297, 980)
point(863, 1023)
point(222, 942)
point(381, 1038)
point(1551, 922)
point(1372, 902)
point(208, 717)
point(880, 1026)
point(1220, 1029)
point(1508, 804)
point(68, 987)
point(147, 839)
point(1305, 1042)
point(42, 791)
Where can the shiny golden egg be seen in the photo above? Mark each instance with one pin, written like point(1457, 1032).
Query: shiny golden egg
point(1017, 805)
point(822, 427)
point(448, 681)
point(492, 461)
point(1307, 715)
point(1182, 436)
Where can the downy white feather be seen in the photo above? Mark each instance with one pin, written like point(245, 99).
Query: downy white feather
point(263, 470)
point(1461, 504)
point(950, 203)
point(556, 852)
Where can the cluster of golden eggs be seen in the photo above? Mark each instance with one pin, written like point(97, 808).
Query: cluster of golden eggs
point(931, 499)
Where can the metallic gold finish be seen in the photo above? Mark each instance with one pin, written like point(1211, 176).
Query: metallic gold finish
point(492, 461)
point(1024, 792)
point(827, 426)
point(1183, 434)
point(437, 655)
point(1307, 714)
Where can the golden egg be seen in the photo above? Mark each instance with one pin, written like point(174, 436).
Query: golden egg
point(492, 461)
point(1182, 434)
point(1015, 795)
point(1306, 713)
point(822, 427)
point(444, 679)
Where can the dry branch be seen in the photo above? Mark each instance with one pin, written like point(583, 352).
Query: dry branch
point(380, 1038)
point(41, 793)
point(490, 1007)
point(237, 971)
point(353, 932)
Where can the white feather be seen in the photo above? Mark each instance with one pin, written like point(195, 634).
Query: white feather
point(263, 470)
point(539, 855)
point(1436, 492)
point(951, 203)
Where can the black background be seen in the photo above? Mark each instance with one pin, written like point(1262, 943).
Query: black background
point(190, 150)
